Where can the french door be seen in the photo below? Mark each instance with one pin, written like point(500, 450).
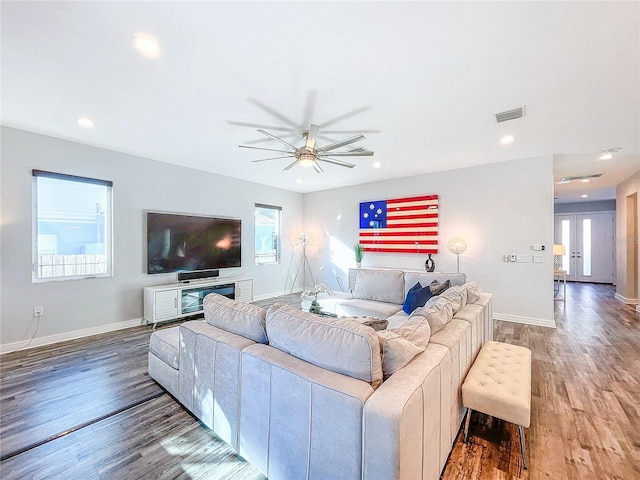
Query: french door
point(588, 239)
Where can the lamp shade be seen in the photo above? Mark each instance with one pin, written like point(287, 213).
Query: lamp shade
point(559, 250)
point(457, 245)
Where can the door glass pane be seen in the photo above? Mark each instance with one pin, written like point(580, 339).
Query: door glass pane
point(566, 241)
point(586, 247)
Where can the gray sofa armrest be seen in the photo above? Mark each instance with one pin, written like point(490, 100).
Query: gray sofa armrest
point(406, 420)
point(208, 376)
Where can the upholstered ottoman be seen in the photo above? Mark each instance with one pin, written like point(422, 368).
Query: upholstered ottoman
point(499, 384)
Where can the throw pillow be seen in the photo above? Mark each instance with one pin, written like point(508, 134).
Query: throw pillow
point(417, 296)
point(396, 351)
point(437, 288)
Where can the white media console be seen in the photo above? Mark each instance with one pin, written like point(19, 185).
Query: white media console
point(177, 300)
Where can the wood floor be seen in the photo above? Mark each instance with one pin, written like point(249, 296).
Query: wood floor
point(585, 420)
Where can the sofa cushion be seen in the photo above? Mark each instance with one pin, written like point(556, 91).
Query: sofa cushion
point(473, 291)
point(457, 295)
point(438, 313)
point(236, 317)
point(380, 285)
point(417, 296)
point(366, 308)
point(164, 345)
point(339, 345)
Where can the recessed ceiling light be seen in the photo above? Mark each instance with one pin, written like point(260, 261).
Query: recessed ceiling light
point(377, 164)
point(146, 45)
point(584, 196)
point(507, 139)
point(585, 180)
point(608, 153)
point(298, 180)
point(85, 122)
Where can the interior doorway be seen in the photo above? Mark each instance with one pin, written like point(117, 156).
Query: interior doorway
point(631, 242)
point(588, 239)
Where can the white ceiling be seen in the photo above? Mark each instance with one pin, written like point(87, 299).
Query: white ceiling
point(425, 78)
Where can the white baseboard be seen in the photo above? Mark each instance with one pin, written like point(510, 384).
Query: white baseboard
point(625, 300)
point(61, 337)
point(538, 322)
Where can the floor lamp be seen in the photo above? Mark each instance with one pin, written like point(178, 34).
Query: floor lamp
point(304, 241)
point(457, 245)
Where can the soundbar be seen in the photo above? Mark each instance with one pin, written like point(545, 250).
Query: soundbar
point(182, 276)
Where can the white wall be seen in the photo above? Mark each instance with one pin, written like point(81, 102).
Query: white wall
point(80, 307)
point(499, 208)
point(627, 253)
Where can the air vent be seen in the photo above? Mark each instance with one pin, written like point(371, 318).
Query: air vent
point(511, 114)
point(579, 177)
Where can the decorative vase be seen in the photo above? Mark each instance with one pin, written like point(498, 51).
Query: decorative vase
point(429, 265)
point(358, 264)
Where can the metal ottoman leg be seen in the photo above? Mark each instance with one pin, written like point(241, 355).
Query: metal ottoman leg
point(466, 424)
point(524, 456)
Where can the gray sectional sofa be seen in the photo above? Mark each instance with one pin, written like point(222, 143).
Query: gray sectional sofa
point(302, 396)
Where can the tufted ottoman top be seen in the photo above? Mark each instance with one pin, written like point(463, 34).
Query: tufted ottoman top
point(499, 383)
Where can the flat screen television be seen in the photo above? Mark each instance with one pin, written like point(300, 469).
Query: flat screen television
point(191, 243)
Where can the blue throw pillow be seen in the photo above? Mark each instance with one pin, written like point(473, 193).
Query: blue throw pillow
point(417, 296)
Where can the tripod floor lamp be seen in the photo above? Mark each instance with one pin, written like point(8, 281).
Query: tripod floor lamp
point(304, 240)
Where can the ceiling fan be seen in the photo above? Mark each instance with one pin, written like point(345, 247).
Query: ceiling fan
point(310, 156)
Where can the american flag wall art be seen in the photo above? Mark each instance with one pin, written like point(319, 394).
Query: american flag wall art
point(400, 225)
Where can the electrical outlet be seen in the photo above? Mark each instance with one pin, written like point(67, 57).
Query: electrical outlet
point(512, 257)
point(38, 311)
point(537, 259)
point(522, 259)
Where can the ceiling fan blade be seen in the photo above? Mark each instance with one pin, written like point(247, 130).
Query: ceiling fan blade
point(275, 113)
point(317, 167)
point(308, 109)
point(311, 137)
point(278, 139)
point(335, 162)
point(291, 165)
point(283, 135)
point(368, 153)
point(257, 125)
point(268, 149)
point(272, 158)
point(342, 143)
point(338, 132)
point(344, 115)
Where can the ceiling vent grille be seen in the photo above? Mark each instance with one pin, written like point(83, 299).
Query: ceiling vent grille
point(510, 114)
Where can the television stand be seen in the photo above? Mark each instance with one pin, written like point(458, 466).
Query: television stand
point(181, 300)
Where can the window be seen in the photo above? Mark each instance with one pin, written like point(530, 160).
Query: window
point(71, 227)
point(267, 222)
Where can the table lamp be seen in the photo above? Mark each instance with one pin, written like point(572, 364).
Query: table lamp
point(457, 245)
point(558, 251)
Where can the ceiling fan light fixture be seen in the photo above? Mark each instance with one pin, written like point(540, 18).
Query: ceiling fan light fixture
point(307, 159)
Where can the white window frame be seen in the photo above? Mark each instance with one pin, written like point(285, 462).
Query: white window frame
point(108, 240)
point(259, 258)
